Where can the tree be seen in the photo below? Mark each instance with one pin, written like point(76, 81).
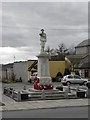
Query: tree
point(71, 50)
point(51, 51)
point(77, 72)
point(59, 74)
point(13, 76)
point(61, 50)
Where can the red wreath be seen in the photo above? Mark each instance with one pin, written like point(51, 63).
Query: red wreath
point(41, 87)
point(36, 83)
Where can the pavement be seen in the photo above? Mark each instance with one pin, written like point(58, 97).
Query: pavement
point(11, 104)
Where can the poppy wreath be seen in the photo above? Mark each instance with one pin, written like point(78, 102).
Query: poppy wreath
point(41, 87)
point(36, 83)
point(50, 86)
point(45, 87)
point(36, 86)
point(36, 79)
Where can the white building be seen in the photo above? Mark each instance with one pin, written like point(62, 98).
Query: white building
point(21, 70)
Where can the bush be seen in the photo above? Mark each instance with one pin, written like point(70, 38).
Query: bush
point(6, 81)
point(77, 73)
point(58, 79)
point(59, 74)
point(67, 71)
point(53, 79)
point(19, 80)
point(2, 104)
point(13, 77)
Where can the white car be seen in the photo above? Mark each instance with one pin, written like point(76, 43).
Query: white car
point(73, 79)
point(33, 77)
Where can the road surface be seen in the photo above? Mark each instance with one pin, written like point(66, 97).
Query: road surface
point(70, 112)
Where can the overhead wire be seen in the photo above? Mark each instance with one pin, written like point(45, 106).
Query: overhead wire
point(35, 28)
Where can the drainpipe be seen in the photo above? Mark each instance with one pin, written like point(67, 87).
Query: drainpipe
point(6, 73)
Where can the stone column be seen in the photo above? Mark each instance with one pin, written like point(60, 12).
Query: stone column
point(43, 68)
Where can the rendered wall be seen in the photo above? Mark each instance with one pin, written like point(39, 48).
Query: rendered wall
point(21, 70)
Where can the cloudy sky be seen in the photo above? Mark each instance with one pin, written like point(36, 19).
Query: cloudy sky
point(64, 22)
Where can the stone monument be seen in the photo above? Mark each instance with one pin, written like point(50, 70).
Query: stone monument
point(43, 40)
point(44, 78)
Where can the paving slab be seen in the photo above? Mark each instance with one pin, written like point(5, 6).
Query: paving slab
point(42, 104)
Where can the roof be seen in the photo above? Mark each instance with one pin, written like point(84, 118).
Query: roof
point(57, 58)
point(75, 59)
point(84, 43)
point(10, 65)
point(20, 61)
point(85, 63)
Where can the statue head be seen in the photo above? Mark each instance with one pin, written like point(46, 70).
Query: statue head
point(42, 30)
point(42, 34)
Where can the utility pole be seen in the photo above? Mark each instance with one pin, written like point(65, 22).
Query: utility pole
point(14, 58)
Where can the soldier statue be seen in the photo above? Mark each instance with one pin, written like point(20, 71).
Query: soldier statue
point(42, 39)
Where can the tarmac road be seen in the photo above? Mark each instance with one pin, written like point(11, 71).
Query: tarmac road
point(70, 112)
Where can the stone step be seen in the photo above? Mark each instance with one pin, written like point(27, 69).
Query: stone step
point(48, 95)
point(71, 95)
point(34, 92)
point(55, 95)
point(51, 96)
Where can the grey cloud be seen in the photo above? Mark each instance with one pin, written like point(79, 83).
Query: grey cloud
point(12, 40)
point(59, 13)
point(63, 13)
point(63, 22)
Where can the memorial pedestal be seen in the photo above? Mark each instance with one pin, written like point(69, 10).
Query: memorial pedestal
point(43, 68)
point(43, 71)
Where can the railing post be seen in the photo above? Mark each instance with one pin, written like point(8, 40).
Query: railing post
point(19, 96)
point(43, 94)
point(66, 93)
point(77, 89)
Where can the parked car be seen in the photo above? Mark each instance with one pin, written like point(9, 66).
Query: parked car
point(73, 79)
point(33, 77)
point(88, 84)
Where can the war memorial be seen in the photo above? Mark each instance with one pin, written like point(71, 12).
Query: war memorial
point(43, 88)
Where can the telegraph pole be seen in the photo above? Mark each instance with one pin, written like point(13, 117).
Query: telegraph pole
point(14, 58)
